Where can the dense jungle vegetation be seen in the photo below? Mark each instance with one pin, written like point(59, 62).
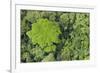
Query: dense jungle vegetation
point(54, 36)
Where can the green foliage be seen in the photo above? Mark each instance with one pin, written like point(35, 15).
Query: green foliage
point(78, 46)
point(54, 36)
point(67, 18)
point(42, 32)
point(32, 16)
point(37, 53)
point(66, 51)
point(51, 48)
point(49, 57)
point(26, 57)
point(64, 18)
